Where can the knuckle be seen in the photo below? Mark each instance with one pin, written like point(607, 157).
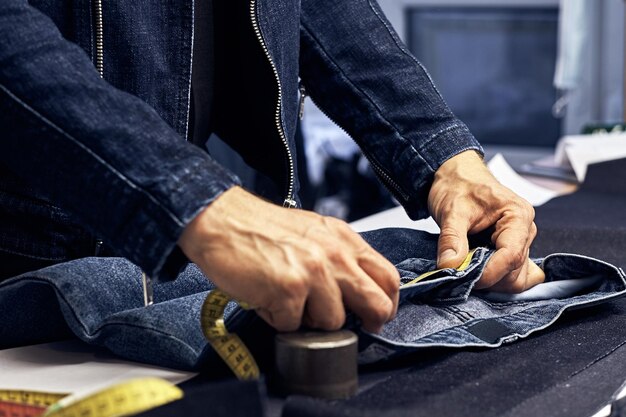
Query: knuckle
point(296, 288)
point(381, 311)
point(335, 254)
point(314, 266)
point(334, 223)
point(449, 232)
point(516, 260)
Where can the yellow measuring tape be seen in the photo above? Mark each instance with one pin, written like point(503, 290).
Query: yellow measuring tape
point(34, 398)
point(228, 345)
point(461, 267)
point(123, 399)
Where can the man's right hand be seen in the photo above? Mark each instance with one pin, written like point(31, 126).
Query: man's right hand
point(293, 266)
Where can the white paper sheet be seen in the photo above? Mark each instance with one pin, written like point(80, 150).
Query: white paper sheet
point(534, 194)
point(583, 150)
point(72, 367)
point(395, 217)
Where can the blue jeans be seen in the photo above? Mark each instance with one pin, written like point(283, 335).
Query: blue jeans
point(101, 301)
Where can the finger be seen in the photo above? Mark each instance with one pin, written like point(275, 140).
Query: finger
point(324, 308)
point(453, 245)
point(285, 317)
point(514, 282)
point(366, 299)
point(384, 274)
point(536, 275)
point(511, 252)
point(530, 276)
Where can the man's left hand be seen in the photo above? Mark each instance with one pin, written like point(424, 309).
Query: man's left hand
point(466, 198)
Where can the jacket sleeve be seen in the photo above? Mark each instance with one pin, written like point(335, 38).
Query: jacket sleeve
point(102, 154)
point(357, 70)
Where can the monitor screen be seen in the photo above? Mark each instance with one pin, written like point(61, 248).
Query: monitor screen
point(494, 66)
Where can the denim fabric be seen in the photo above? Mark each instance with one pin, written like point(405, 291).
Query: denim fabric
point(443, 310)
point(110, 152)
point(572, 370)
point(101, 301)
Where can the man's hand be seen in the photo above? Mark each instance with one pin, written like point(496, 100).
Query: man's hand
point(292, 266)
point(465, 198)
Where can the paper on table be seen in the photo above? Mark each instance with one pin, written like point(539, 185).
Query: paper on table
point(583, 150)
point(533, 193)
point(72, 367)
point(397, 217)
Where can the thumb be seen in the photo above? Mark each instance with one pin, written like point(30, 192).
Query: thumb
point(453, 245)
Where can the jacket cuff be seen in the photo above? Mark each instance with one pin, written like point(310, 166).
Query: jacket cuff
point(152, 235)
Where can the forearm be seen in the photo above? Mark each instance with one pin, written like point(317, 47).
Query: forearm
point(100, 153)
point(388, 102)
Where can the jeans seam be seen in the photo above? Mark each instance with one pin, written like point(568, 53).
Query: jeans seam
point(61, 297)
point(149, 328)
point(368, 99)
point(112, 169)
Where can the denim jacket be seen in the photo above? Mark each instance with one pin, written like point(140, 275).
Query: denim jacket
point(94, 110)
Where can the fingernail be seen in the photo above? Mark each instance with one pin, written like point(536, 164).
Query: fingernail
point(447, 254)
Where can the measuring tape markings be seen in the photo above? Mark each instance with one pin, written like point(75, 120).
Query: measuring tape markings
point(34, 398)
point(227, 345)
point(11, 409)
point(123, 399)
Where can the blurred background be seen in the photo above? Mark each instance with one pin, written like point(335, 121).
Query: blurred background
point(520, 73)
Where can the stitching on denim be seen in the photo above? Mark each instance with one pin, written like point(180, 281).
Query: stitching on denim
point(369, 99)
point(93, 154)
point(193, 19)
point(441, 132)
point(27, 255)
point(403, 49)
point(424, 341)
point(152, 329)
point(61, 297)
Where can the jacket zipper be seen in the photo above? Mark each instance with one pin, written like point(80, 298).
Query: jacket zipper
point(389, 183)
point(289, 201)
point(303, 96)
point(99, 37)
point(99, 63)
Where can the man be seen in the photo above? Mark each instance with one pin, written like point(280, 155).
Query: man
point(96, 100)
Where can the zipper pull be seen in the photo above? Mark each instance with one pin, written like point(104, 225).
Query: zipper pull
point(290, 203)
point(303, 97)
point(98, 249)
